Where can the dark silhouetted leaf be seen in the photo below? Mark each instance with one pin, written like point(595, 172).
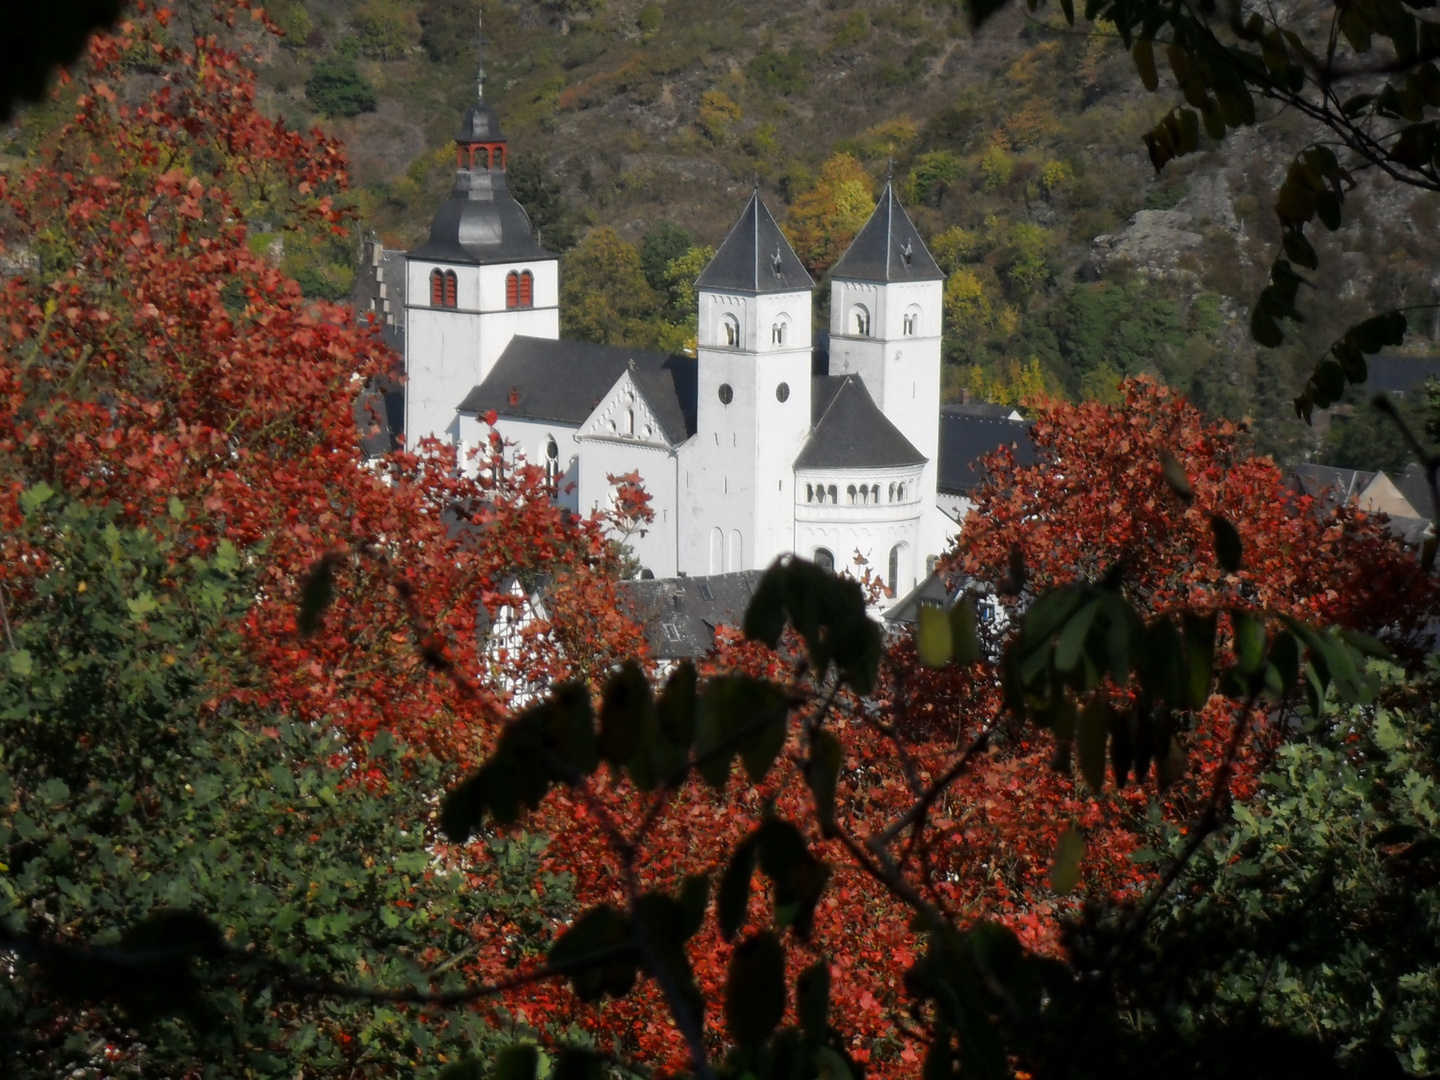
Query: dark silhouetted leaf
point(755, 989)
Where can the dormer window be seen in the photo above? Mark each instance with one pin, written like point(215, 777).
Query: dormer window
point(519, 289)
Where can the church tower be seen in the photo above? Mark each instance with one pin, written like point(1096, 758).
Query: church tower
point(478, 281)
point(886, 300)
point(753, 400)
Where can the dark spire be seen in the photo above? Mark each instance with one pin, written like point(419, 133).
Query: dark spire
point(755, 257)
point(888, 247)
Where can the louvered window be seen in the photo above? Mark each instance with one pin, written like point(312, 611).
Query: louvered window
point(512, 289)
point(450, 288)
point(437, 289)
point(527, 289)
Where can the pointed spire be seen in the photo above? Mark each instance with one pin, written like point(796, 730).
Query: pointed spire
point(888, 247)
point(480, 54)
point(755, 257)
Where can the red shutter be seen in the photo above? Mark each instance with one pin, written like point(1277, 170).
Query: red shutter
point(450, 290)
point(527, 289)
point(437, 289)
point(512, 289)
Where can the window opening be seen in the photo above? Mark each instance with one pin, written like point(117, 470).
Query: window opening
point(860, 321)
point(782, 392)
point(894, 569)
point(437, 288)
point(512, 289)
point(527, 289)
point(834, 498)
point(727, 393)
point(705, 591)
point(450, 288)
point(777, 334)
point(854, 498)
point(824, 559)
point(732, 332)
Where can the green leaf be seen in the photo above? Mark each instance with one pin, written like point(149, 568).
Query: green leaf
point(933, 637)
point(964, 632)
point(516, 1063)
point(316, 593)
point(627, 714)
point(35, 496)
point(1175, 475)
point(598, 953)
point(1249, 641)
point(732, 903)
point(22, 663)
point(469, 1069)
point(1143, 53)
point(1065, 866)
point(822, 772)
point(812, 999)
point(1071, 642)
point(693, 900)
point(1092, 730)
point(755, 989)
point(1227, 543)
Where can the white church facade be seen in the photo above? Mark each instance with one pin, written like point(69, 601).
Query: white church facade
point(751, 449)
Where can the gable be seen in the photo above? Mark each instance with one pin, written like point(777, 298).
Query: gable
point(625, 413)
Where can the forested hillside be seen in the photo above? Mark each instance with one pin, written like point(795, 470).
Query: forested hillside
point(1018, 151)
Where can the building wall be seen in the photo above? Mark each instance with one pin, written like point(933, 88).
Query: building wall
point(527, 441)
point(847, 529)
point(603, 456)
point(448, 351)
point(900, 363)
point(736, 486)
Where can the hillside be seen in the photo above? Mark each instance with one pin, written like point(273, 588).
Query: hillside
point(1017, 150)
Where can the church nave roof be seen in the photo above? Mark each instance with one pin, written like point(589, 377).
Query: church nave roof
point(563, 381)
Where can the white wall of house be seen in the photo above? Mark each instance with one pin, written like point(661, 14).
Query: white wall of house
point(528, 440)
point(871, 526)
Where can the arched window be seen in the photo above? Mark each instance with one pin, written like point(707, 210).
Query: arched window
point(731, 331)
point(860, 321)
point(899, 492)
point(630, 422)
point(911, 323)
point(552, 460)
point(875, 494)
point(825, 560)
point(512, 290)
point(894, 576)
point(834, 498)
point(527, 289)
point(437, 288)
point(451, 289)
point(854, 496)
point(777, 334)
point(809, 492)
point(892, 492)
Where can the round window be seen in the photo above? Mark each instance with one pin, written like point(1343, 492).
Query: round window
point(727, 395)
point(782, 392)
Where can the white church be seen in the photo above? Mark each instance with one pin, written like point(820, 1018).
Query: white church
point(751, 449)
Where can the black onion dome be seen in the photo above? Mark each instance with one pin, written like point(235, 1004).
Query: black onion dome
point(481, 223)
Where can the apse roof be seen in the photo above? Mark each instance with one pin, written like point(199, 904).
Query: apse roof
point(563, 381)
point(888, 248)
point(755, 257)
point(848, 430)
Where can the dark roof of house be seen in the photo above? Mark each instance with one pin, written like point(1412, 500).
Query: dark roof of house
point(980, 408)
point(380, 414)
point(563, 381)
point(755, 257)
point(1331, 484)
point(1415, 487)
point(481, 223)
point(888, 248)
point(680, 614)
point(848, 430)
point(929, 593)
point(966, 438)
point(1398, 374)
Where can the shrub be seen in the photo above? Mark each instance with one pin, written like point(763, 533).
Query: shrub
point(336, 88)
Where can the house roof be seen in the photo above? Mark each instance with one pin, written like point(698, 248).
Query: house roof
point(965, 438)
point(1331, 484)
point(755, 257)
point(848, 430)
point(563, 381)
point(680, 614)
point(481, 223)
point(1415, 487)
point(888, 248)
point(1398, 374)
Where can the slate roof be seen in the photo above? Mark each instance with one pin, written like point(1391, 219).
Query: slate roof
point(965, 438)
point(379, 412)
point(887, 248)
point(563, 381)
point(755, 257)
point(480, 125)
point(1415, 487)
point(848, 430)
point(1398, 374)
point(680, 614)
point(1331, 484)
point(481, 223)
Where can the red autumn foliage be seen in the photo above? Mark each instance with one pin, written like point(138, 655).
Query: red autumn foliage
point(150, 359)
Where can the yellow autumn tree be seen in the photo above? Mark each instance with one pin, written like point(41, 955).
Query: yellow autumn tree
point(824, 220)
point(1010, 382)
